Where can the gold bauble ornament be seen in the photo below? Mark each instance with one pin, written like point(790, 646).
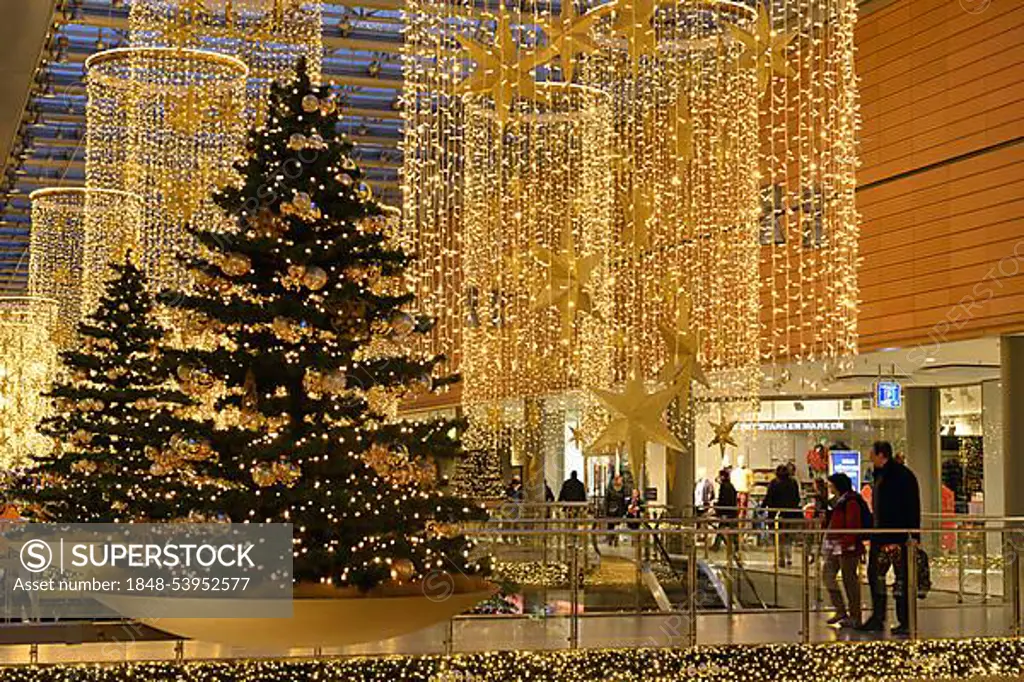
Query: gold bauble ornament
point(364, 192)
point(310, 103)
point(84, 466)
point(315, 278)
point(159, 469)
point(328, 106)
point(285, 330)
point(297, 142)
point(345, 179)
point(335, 382)
point(316, 142)
point(236, 265)
point(402, 569)
point(402, 324)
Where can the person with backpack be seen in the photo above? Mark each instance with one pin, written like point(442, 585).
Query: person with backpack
point(843, 551)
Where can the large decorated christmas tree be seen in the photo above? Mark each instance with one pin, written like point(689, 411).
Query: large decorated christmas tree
point(118, 422)
point(304, 292)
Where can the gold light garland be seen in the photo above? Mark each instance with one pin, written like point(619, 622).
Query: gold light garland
point(686, 187)
point(28, 360)
point(165, 125)
point(535, 245)
point(712, 102)
point(809, 231)
point(431, 174)
point(55, 255)
point(76, 232)
point(268, 35)
point(969, 658)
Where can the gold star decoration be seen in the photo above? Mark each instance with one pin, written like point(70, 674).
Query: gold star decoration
point(723, 435)
point(502, 70)
point(636, 419)
point(576, 437)
point(632, 21)
point(682, 345)
point(563, 280)
point(764, 49)
point(571, 34)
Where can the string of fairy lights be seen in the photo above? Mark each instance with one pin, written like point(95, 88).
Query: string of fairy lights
point(55, 255)
point(972, 658)
point(536, 244)
point(270, 36)
point(733, 227)
point(28, 360)
point(178, 116)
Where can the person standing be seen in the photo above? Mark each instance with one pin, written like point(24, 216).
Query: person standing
point(783, 502)
point(843, 550)
point(572, 490)
point(725, 508)
point(514, 489)
point(635, 509)
point(703, 493)
point(615, 506)
point(897, 505)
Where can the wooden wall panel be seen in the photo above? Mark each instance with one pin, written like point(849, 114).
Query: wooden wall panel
point(942, 179)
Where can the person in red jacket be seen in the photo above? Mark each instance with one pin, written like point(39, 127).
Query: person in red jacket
point(843, 550)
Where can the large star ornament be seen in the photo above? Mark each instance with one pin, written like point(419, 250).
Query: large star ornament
point(571, 34)
point(682, 345)
point(723, 435)
point(764, 49)
point(503, 70)
point(636, 420)
point(563, 281)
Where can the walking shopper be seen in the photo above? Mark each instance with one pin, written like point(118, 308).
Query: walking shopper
point(725, 509)
point(897, 505)
point(783, 502)
point(843, 550)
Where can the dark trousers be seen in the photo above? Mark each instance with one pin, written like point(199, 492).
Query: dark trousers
point(881, 558)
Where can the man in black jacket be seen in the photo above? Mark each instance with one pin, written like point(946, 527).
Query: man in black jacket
point(572, 490)
point(897, 504)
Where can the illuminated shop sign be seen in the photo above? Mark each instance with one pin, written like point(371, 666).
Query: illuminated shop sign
point(792, 426)
point(888, 395)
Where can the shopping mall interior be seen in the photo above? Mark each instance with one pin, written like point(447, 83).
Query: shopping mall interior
point(453, 340)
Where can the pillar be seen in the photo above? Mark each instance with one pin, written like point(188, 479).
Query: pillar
point(1011, 351)
point(1012, 379)
point(921, 408)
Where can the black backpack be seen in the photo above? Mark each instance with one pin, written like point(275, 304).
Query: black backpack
point(867, 519)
